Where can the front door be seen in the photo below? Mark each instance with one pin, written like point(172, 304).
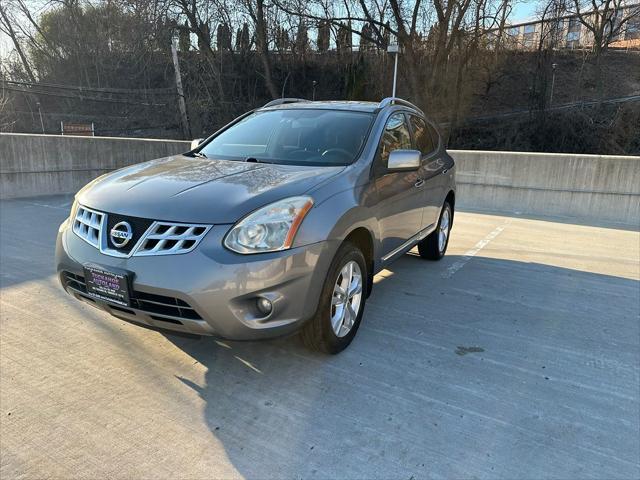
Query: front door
point(400, 202)
point(426, 140)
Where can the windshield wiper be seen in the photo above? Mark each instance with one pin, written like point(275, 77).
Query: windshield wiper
point(254, 160)
point(199, 155)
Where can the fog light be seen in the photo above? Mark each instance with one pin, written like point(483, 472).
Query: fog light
point(264, 306)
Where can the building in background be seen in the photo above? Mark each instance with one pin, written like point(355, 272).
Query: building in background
point(567, 31)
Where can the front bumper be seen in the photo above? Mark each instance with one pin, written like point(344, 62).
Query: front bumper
point(209, 291)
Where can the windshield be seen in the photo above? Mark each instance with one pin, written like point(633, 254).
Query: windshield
point(293, 136)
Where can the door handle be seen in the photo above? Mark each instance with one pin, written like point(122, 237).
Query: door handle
point(419, 183)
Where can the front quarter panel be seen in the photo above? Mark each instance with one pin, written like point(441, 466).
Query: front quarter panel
point(339, 215)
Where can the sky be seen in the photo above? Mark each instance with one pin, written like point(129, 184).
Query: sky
point(524, 10)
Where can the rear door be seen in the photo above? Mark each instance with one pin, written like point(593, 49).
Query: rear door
point(427, 141)
point(400, 201)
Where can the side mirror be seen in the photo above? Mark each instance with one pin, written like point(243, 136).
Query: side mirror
point(196, 142)
point(403, 160)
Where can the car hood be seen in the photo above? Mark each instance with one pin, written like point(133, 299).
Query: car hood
point(185, 189)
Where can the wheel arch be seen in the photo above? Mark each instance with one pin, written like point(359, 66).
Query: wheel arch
point(451, 198)
point(363, 239)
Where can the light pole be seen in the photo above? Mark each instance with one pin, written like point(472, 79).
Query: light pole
point(284, 84)
point(40, 113)
point(394, 48)
point(553, 81)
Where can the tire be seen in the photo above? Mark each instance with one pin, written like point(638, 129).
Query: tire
point(319, 333)
point(431, 247)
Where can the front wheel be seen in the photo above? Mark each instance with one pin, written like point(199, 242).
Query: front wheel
point(435, 245)
point(341, 305)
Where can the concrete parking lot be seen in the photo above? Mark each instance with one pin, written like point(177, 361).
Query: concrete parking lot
point(517, 356)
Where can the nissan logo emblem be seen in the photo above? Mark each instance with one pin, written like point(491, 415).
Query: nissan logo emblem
point(120, 234)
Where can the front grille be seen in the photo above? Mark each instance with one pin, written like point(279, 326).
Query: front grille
point(149, 303)
point(148, 237)
point(167, 238)
point(88, 225)
point(138, 228)
point(162, 305)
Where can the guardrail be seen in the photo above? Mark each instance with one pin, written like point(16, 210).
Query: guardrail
point(587, 187)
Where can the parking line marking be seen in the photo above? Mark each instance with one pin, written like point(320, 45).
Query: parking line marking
point(45, 205)
point(248, 364)
point(469, 254)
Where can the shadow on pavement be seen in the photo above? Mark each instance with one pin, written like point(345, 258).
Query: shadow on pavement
point(536, 374)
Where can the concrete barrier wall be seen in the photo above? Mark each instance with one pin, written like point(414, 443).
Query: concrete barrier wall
point(589, 187)
point(49, 164)
point(586, 187)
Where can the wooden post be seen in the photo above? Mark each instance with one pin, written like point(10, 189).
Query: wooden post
point(186, 130)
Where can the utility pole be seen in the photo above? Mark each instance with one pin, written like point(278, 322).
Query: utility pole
point(394, 48)
point(186, 130)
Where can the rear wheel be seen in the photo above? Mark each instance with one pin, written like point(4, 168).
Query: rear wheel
point(435, 245)
point(342, 300)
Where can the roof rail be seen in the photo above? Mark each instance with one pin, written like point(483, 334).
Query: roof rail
point(282, 101)
point(397, 101)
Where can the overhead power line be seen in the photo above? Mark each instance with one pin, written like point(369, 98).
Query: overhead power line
point(77, 88)
point(81, 97)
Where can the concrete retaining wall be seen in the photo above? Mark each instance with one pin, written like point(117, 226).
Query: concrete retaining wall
point(33, 165)
point(587, 187)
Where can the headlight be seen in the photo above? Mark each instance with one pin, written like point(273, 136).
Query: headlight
point(269, 228)
point(71, 218)
point(74, 208)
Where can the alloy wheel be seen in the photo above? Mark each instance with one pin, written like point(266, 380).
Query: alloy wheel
point(346, 299)
point(443, 232)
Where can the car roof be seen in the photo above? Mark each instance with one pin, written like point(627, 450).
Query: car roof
point(350, 105)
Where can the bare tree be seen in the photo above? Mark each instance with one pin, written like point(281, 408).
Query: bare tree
point(6, 26)
point(324, 36)
point(5, 110)
point(256, 10)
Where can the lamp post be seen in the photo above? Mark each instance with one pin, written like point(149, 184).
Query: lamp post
point(553, 81)
point(395, 49)
point(40, 113)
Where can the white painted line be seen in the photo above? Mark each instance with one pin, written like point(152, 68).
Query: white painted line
point(248, 364)
point(469, 254)
point(222, 344)
point(46, 206)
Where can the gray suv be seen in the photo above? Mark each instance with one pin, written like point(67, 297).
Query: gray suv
point(276, 223)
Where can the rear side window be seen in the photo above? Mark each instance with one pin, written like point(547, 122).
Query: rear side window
point(396, 136)
point(426, 138)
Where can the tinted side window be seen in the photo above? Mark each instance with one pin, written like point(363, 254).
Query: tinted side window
point(425, 141)
point(434, 136)
point(396, 136)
